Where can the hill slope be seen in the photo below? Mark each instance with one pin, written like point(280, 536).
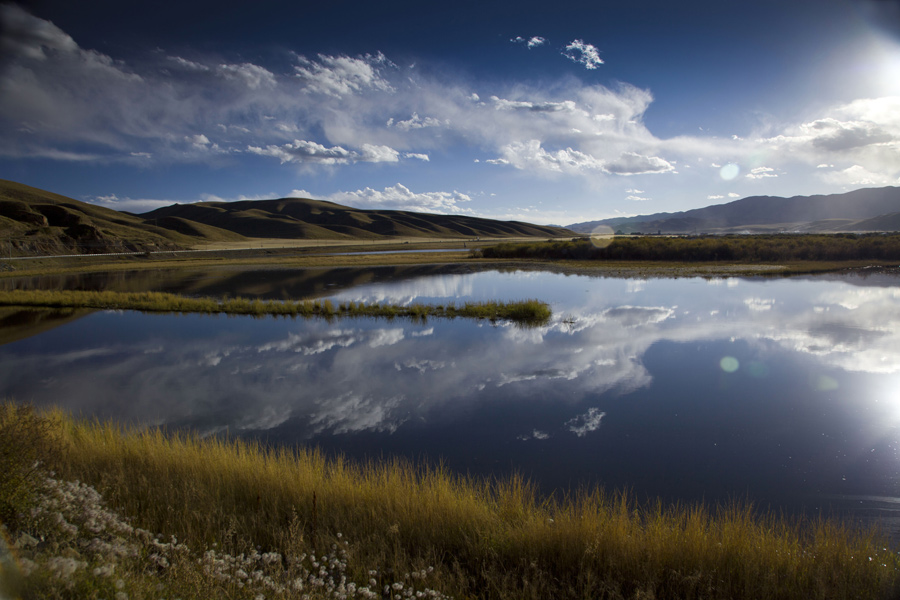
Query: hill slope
point(868, 209)
point(315, 219)
point(34, 221)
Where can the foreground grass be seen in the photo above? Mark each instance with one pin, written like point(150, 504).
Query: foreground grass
point(525, 311)
point(240, 522)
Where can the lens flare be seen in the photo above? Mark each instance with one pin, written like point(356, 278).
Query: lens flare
point(729, 171)
point(729, 364)
point(602, 236)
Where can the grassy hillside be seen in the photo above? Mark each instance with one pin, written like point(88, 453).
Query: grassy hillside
point(316, 219)
point(37, 222)
point(34, 221)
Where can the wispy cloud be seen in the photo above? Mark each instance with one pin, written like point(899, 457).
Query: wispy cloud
point(63, 102)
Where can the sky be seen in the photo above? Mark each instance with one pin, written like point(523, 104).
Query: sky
point(551, 114)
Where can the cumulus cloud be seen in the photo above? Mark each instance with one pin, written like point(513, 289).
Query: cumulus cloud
point(583, 54)
point(416, 122)
point(859, 175)
point(60, 101)
point(632, 163)
point(397, 197)
point(532, 42)
point(761, 173)
point(303, 151)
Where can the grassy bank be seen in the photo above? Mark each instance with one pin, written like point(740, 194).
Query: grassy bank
point(235, 521)
point(735, 248)
point(525, 311)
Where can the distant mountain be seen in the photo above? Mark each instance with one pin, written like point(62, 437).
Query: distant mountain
point(869, 209)
point(318, 219)
point(34, 221)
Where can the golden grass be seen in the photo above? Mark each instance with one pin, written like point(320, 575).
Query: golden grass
point(525, 311)
point(484, 539)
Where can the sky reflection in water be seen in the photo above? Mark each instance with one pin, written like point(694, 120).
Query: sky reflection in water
point(782, 391)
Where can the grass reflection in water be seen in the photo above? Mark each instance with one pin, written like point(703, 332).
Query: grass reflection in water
point(528, 312)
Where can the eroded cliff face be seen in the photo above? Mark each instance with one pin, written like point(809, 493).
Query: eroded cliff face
point(32, 229)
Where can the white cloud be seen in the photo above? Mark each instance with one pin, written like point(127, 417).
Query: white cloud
point(417, 156)
point(532, 42)
point(715, 197)
point(397, 197)
point(761, 173)
point(733, 195)
point(503, 104)
point(584, 54)
point(530, 155)
point(586, 423)
point(341, 75)
point(634, 198)
point(859, 175)
point(632, 163)
point(303, 151)
point(634, 191)
point(416, 122)
point(253, 76)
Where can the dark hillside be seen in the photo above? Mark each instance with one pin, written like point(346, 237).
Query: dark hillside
point(314, 219)
point(771, 214)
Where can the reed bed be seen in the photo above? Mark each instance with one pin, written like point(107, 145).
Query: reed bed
point(709, 248)
point(532, 312)
point(227, 512)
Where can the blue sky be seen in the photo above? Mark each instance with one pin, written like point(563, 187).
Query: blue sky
point(549, 114)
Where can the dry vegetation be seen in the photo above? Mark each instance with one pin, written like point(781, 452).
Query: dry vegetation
point(163, 516)
point(531, 312)
point(737, 248)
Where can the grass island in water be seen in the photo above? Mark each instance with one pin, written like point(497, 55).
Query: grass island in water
point(530, 312)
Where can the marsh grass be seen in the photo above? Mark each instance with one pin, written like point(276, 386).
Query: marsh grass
point(735, 248)
point(531, 312)
point(220, 504)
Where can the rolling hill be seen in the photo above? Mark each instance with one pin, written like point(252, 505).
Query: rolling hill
point(35, 221)
point(317, 219)
point(869, 209)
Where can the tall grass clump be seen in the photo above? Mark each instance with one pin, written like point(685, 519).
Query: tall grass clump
point(530, 312)
point(231, 519)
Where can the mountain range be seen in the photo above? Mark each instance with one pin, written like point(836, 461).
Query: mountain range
point(35, 221)
point(868, 209)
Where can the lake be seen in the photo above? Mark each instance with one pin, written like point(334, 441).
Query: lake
point(781, 391)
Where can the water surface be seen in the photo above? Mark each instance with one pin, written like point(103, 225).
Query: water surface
point(782, 391)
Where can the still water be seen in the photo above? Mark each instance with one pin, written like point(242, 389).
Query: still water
point(785, 392)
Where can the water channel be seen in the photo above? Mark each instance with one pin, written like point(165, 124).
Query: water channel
point(781, 391)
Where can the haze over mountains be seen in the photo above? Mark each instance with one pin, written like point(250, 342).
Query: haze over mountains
point(869, 209)
point(34, 221)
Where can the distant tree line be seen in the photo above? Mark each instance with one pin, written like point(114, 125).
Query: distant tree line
point(732, 248)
